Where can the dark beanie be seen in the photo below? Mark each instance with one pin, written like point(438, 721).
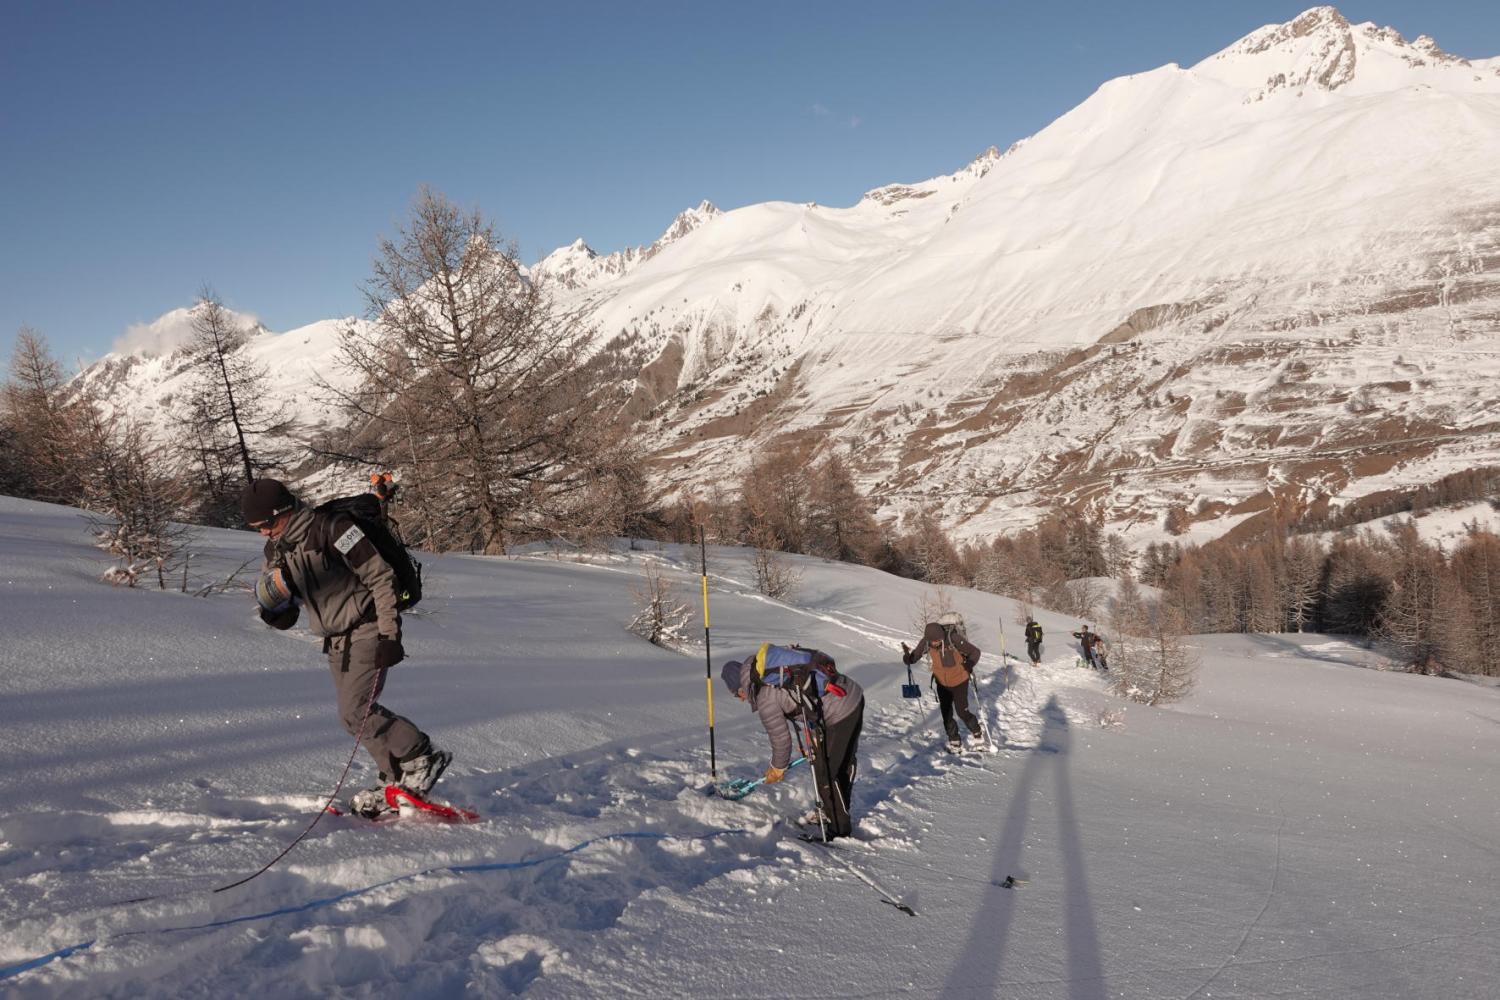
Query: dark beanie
point(264, 499)
point(731, 674)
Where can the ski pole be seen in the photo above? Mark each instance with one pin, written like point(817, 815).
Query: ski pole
point(1004, 658)
point(708, 659)
point(819, 751)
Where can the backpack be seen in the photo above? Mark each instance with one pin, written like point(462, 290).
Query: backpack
point(953, 627)
point(1033, 632)
point(949, 665)
point(808, 671)
point(364, 510)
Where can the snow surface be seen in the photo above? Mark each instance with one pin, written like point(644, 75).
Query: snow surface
point(1301, 825)
point(1445, 526)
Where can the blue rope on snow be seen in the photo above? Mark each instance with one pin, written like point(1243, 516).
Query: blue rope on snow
point(490, 866)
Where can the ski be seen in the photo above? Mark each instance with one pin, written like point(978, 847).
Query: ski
point(834, 851)
point(404, 804)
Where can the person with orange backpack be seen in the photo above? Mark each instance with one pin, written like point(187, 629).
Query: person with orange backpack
point(952, 658)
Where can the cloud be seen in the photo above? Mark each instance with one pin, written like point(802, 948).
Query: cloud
point(821, 110)
point(168, 332)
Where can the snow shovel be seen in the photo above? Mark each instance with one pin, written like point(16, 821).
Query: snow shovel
point(910, 689)
point(738, 788)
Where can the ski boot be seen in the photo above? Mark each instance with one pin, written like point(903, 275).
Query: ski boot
point(813, 818)
point(419, 774)
point(370, 803)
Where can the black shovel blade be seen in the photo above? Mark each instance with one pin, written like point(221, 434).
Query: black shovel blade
point(911, 691)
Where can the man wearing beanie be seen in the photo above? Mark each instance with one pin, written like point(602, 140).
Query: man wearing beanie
point(787, 686)
point(324, 562)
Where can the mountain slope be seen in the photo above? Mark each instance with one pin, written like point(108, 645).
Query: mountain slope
point(1273, 273)
point(1269, 279)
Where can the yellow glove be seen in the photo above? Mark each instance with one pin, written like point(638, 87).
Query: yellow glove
point(774, 774)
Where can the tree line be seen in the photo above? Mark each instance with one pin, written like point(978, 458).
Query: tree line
point(1437, 609)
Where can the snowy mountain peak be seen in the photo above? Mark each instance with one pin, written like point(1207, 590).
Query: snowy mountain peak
point(578, 266)
point(686, 221)
point(1319, 51)
point(171, 330)
point(564, 263)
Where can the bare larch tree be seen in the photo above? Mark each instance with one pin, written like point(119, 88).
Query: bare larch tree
point(43, 436)
point(471, 386)
point(228, 427)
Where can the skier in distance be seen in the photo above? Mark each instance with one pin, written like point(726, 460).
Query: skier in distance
point(1034, 642)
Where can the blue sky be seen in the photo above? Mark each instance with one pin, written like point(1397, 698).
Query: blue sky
point(149, 148)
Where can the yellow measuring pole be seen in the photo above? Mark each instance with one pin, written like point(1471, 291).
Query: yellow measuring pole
point(708, 659)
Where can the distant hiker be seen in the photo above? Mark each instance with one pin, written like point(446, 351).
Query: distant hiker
point(326, 563)
point(1034, 642)
point(952, 658)
point(802, 699)
point(1092, 645)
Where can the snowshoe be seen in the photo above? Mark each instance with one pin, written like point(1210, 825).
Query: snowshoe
point(407, 803)
point(955, 746)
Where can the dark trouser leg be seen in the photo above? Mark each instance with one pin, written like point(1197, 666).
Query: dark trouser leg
point(960, 697)
point(357, 682)
point(838, 763)
point(1034, 651)
point(945, 704)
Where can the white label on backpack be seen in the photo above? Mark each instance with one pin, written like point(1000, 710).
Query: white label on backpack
point(349, 539)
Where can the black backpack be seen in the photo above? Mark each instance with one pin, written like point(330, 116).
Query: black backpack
point(364, 510)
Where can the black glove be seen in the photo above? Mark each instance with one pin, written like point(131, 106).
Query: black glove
point(282, 620)
point(388, 651)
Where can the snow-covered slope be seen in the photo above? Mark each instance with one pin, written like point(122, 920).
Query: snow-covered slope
point(149, 373)
point(1302, 824)
point(1269, 278)
point(577, 266)
point(1274, 271)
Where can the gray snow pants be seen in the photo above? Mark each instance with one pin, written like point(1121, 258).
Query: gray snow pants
point(357, 682)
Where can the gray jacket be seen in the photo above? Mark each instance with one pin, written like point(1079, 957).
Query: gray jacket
point(337, 573)
point(778, 707)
